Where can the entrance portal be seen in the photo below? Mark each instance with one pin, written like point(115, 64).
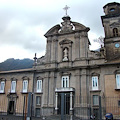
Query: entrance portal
point(66, 103)
point(96, 113)
point(11, 107)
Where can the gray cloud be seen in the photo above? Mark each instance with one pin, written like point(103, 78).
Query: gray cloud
point(24, 23)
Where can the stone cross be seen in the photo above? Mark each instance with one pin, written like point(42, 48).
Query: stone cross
point(66, 8)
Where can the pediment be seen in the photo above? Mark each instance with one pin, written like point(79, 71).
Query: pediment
point(95, 74)
point(79, 26)
point(39, 78)
point(2, 79)
point(25, 78)
point(65, 73)
point(13, 79)
point(115, 24)
point(53, 30)
point(65, 41)
point(117, 72)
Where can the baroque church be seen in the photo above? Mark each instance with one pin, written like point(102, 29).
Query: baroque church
point(69, 73)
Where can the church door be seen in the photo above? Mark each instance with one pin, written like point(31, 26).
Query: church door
point(64, 103)
point(11, 107)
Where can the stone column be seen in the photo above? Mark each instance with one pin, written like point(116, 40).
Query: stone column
point(71, 95)
point(56, 102)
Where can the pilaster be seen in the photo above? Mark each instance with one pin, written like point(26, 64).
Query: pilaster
point(54, 49)
point(83, 45)
point(49, 42)
point(77, 46)
point(51, 89)
point(46, 90)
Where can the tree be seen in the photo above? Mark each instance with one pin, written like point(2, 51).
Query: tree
point(100, 40)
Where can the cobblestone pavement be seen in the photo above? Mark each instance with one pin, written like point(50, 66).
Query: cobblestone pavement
point(53, 117)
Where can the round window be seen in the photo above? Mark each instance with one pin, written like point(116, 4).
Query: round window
point(117, 45)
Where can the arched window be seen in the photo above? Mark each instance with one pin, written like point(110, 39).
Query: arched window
point(115, 32)
point(112, 9)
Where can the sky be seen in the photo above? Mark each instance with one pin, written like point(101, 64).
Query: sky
point(23, 23)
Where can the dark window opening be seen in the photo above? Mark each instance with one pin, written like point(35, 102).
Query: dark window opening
point(119, 103)
point(115, 32)
point(112, 9)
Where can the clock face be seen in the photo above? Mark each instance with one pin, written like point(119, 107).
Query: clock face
point(117, 45)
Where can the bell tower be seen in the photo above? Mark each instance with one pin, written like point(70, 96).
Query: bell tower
point(111, 24)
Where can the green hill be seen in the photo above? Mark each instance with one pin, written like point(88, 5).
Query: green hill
point(15, 64)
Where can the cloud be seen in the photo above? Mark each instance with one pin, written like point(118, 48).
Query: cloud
point(23, 23)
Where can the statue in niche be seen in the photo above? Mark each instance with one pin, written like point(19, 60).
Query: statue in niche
point(65, 54)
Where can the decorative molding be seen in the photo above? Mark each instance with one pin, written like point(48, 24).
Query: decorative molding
point(2, 79)
point(25, 78)
point(95, 74)
point(53, 30)
point(64, 73)
point(77, 35)
point(115, 25)
point(39, 78)
point(117, 72)
point(13, 79)
point(65, 41)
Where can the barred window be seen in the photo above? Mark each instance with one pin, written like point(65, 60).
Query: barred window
point(38, 100)
point(95, 100)
point(37, 112)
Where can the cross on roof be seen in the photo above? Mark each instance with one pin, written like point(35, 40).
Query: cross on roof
point(66, 8)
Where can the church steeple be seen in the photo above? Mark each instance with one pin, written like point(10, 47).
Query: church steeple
point(111, 24)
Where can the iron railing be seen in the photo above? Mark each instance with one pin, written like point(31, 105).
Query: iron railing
point(83, 108)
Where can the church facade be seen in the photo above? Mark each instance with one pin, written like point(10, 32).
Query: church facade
point(69, 70)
